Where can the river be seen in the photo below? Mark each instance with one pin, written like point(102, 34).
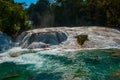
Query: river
point(54, 54)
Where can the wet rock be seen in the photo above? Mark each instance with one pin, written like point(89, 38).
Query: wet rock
point(115, 75)
point(41, 39)
point(11, 76)
point(79, 75)
point(81, 39)
point(16, 54)
point(116, 54)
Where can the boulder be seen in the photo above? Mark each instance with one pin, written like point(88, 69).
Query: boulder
point(81, 39)
point(41, 39)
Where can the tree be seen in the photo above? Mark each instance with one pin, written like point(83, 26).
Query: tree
point(37, 11)
point(13, 19)
point(76, 12)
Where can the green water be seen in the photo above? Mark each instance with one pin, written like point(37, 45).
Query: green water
point(74, 65)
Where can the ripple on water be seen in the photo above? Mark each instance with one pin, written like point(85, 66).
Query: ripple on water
point(73, 65)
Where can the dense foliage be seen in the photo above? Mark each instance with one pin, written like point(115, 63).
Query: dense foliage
point(13, 19)
point(40, 14)
point(75, 13)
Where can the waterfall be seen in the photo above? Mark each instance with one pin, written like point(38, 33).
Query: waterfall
point(64, 37)
point(41, 40)
point(5, 42)
point(54, 54)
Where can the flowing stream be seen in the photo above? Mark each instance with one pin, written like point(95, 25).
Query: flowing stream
point(101, 64)
point(56, 54)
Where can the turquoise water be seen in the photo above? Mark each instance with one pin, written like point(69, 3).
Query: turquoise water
point(74, 65)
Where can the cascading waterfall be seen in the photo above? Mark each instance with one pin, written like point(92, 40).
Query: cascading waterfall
point(97, 59)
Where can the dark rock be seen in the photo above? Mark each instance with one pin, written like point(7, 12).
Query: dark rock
point(11, 76)
point(41, 39)
point(81, 39)
point(14, 55)
point(116, 54)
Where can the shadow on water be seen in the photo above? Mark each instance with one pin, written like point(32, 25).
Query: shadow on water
point(3, 51)
point(12, 71)
point(49, 76)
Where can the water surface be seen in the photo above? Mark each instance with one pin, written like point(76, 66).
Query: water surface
point(101, 64)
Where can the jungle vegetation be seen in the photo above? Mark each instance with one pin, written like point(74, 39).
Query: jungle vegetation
point(14, 18)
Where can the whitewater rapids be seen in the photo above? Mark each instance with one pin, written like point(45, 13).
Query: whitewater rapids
point(65, 60)
point(64, 38)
